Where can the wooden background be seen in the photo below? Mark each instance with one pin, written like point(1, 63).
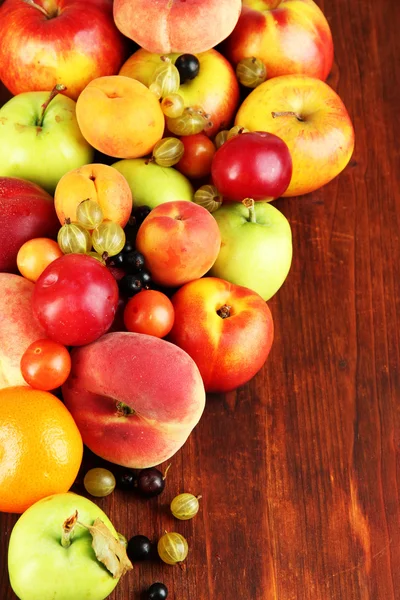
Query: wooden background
point(300, 469)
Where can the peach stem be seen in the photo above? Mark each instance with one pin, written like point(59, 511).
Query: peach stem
point(56, 90)
point(287, 113)
point(224, 312)
point(38, 7)
point(68, 530)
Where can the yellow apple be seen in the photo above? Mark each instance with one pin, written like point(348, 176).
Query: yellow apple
point(313, 121)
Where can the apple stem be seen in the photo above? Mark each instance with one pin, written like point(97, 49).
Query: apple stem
point(287, 113)
point(38, 7)
point(249, 203)
point(68, 530)
point(56, 90)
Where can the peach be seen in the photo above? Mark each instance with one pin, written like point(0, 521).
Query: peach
point(164, 26)
point(18, 328)
point(134, 397)
point(97, 182)
point(227, 329)
point(120, 117)
point(180, 242)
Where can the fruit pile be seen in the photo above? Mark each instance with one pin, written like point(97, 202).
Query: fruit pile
point(138, 248)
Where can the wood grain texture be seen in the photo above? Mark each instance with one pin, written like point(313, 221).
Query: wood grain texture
point(300, 469)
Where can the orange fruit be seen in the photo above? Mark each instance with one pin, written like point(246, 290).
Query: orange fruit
point(35, 255)
point(40, 447)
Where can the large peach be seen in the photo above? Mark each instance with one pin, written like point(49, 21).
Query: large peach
point(310, 117)
point(18, 328)
point(215, 89)
point(227, 330)
point(180, 242)
point(175, 26)
point(120, 117)
point(134, 397)
point(97, 182)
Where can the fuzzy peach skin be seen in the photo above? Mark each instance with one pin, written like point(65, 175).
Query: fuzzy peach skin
point(134, 397)
point(120, 117)
point(164, 26)
point(289, 36)
point(227, 330)
point(215, 89)
point(18, 328)
point(313, 121)
point(180, 242)
point(76, 42)
point(101, 183)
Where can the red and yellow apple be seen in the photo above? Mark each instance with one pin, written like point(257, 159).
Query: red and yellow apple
point(120, 117)
point(215, 89)
point(26, 212)
point(227, 330)
point(311, 118)
point(101, 183)
point(289, 36)
point(45, 42)
point(18, 328)
point(180, 242)
point(176, 25)
point(134, 397)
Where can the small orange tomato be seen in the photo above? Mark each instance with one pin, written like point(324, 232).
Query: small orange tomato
point(45, 365)
point(149, 312)
point(198, 156)
point(35, 255)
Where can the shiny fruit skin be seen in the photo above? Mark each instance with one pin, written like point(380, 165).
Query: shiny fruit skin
point(35, 255)
point(157, 591)
point(45, 365)
point(188, 66)
point(139, 548)
point(254, 165)
point(198, 155)
point(75, 300)
point(150, 482)
point(149, 312)
point(172, 548)
point(99, 482)
point(40, 446)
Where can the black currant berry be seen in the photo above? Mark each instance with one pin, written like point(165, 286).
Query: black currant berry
point(157, 591)
point(130, 285)
point(126, 481)
point(134, 261)
point(145, 278)
point(150, 482)
point(139, 548)
point(188, 66)
point(129, 247)
point(141, 212)
point(117, 260)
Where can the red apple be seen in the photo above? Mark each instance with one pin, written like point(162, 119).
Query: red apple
point(180, 242)
point(215, 89)
point(134, 397)
point(256, 165)
point(176, 25)
point(43, 43)
point(289, 36)
point(227, 330)
point(26, 212)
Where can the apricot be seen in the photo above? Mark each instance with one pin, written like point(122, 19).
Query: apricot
point(120, 117)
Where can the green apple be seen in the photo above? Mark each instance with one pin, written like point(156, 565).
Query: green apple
point(40, 139)
point(40, 568)
point(256, 247)
point(151, 184)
